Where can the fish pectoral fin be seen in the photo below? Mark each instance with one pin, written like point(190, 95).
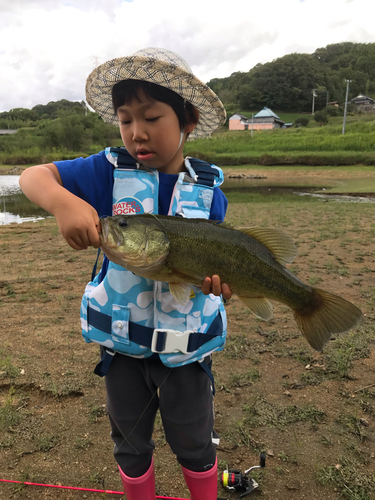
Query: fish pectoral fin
point(181, 292)
point(260, 306)
point(280, 244)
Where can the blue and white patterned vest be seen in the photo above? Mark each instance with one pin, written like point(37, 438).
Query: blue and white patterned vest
point(138, 316)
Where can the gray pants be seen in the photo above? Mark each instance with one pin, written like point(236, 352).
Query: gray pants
point(185, 401)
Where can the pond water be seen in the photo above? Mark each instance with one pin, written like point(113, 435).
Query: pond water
point(15, 207)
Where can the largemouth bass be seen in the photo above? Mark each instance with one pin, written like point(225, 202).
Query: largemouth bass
point(183, 252)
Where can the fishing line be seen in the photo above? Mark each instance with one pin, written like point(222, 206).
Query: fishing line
point(94, 490)
point(141, 415)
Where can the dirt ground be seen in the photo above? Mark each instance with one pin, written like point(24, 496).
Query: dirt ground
point(313, 414)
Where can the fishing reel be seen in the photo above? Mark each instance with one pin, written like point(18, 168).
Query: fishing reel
point(234, 480)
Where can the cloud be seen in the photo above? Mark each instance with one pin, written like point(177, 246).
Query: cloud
point(48, 48)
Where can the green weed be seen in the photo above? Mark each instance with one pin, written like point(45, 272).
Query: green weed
point(262, 412)
point(9, 416)
point(353, 425)
point(96, 413)
point(7, 369)
point(244, 379)
point(46, 443)
point(82, 443)
point(349, 478)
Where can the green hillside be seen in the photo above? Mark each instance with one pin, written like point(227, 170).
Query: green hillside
point(312, 145)
point(65, 129)
point(287, 83)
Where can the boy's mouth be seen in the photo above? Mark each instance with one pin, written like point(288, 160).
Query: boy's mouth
point(144, 154)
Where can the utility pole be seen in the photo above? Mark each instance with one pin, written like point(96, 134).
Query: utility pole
point(313, 101)
point(252, 123)
point(346, 105)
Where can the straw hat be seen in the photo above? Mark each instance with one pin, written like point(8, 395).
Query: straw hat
point(165, 68)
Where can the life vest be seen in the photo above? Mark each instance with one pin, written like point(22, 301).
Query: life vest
point(139, 317)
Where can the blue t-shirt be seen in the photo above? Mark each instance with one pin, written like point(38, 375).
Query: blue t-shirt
point(92, 180)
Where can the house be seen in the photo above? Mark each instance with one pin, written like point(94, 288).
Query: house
point(7, 131)
point(266, 119)
point(335, 104)
point(238, 122)
point(364, 103)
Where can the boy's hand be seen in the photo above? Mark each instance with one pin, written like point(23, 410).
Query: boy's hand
point(77, 220)
point(214, 285)
point(79, 224)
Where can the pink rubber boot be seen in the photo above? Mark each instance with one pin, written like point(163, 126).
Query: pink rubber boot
point(139, 488)
point(202, 485)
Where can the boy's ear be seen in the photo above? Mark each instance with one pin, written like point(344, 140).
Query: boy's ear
point(189, 127)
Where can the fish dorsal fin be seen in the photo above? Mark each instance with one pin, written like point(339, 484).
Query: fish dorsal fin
point(280, 244)
point(181, 292)
point(259, 306)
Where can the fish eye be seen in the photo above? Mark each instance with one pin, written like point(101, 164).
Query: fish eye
point(123, 223)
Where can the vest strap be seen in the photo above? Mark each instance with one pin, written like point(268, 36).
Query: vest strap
point(124, 159)
point(102, 367)
point(206, 364)
point(159, 340)
point(205, 173)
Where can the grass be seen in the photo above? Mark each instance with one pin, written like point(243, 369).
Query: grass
point(312, 145)
point(262, 412)
point(349, 479)
point(244, 379)
point(288, 146)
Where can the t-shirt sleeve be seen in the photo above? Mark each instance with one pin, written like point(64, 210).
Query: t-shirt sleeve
point(90, 179)
point(219, 205)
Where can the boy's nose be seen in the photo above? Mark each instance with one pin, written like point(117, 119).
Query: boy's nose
point(139, 132)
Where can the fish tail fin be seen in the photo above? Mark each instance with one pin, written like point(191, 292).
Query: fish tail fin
point(328, 314)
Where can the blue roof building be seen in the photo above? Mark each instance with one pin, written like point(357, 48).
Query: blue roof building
point(266, 119)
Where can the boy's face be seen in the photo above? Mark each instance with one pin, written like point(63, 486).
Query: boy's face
point(151, 133)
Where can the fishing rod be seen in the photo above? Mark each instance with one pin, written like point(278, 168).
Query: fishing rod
point(92, 490)
point(233, 480)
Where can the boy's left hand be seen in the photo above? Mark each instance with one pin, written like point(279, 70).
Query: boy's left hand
point(214, 285)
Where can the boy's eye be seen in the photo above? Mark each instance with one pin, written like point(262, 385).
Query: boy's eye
point(153, 119)
point(124, 122)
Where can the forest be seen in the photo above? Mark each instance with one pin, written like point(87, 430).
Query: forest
point(64, 129)
point(287, 83)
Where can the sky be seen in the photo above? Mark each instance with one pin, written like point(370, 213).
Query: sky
point(49, 47)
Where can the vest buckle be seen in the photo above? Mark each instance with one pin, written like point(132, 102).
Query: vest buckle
point(165, 341)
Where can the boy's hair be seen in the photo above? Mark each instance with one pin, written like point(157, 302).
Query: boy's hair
point(126, 91)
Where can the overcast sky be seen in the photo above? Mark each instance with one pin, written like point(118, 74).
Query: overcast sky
point(48, 47)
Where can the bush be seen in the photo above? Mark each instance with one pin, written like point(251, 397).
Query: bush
point(333, 111)
point(321, 118)
point(301, 122)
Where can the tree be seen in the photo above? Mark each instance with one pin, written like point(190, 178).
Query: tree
point(321, 118)
point(301, 122)
point(287, 82)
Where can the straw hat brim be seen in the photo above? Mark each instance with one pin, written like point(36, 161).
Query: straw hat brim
point(101, 80)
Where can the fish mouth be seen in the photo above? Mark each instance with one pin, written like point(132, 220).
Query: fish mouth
point(112, 240)
point(103, 234)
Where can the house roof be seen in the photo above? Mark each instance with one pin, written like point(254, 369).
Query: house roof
point(237, 116)
point(266, 113)
point(7, 131)
point(362, 97)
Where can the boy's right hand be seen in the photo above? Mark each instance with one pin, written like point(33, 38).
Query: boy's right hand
point(78, 223)
point(77, 220)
